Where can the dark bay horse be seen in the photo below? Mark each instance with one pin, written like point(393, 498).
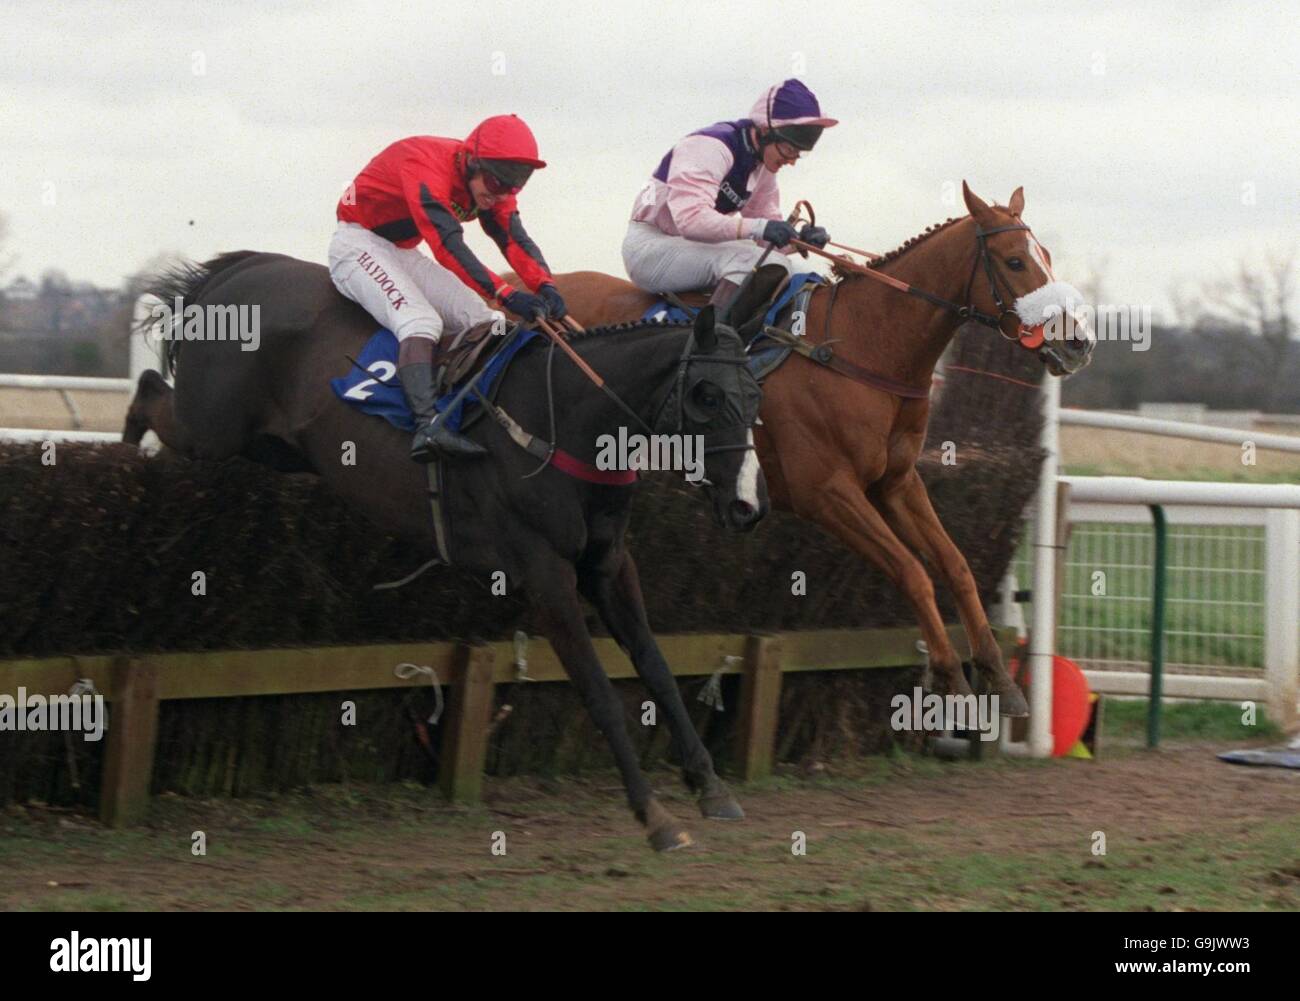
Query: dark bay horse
point(554, 534)
point(843, 453)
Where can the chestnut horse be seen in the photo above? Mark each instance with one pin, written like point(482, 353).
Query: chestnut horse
point(843, 453)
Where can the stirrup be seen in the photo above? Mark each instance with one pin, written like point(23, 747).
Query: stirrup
point(434, 441)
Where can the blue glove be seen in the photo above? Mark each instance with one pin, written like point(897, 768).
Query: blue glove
point(554, 301)
point(529, 306)
point(815, 235)
point(778, 232)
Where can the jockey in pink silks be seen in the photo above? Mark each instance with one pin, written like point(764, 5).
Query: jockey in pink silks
point(712, 206)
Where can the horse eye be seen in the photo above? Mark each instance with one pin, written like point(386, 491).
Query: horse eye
point(707, 397)
point(1015, 264)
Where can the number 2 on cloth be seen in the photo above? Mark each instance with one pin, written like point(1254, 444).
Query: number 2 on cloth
point(383, 371)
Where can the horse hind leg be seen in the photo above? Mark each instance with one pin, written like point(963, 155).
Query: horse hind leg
point(151, 410)
point(155, 408)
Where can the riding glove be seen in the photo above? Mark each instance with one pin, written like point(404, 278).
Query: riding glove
point(530, 307)
point(554, 301)
point(815, 235)
point(778, 232)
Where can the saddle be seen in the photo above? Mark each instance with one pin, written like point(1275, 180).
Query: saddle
point(461, 355)
point(763, 315)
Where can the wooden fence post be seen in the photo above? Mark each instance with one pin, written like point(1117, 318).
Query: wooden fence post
point(132, 733)
point(760, 703)
point(465, 731)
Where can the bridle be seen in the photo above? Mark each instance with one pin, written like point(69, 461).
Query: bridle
point(1029, 337)
point(675, 398)
point(677, 390)
point(993, 273)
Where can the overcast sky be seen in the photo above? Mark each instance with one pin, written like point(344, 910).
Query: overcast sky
point(1157, 140)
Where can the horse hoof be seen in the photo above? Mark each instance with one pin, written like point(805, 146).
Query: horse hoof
point(1011, 702)
point(666, 834)
point(721, 806)
point(944, 684)
point(669, 839)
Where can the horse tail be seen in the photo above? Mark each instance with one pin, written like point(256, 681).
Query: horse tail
point(186, 281)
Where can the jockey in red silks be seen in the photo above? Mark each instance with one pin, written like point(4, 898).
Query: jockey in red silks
point(702, 219)
point(423, 188)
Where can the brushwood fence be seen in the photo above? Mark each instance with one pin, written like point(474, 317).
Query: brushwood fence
point(238, 692)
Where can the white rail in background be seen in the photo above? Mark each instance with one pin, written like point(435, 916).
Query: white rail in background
point(35, 434)
point(1178, 429)
point(66, 382)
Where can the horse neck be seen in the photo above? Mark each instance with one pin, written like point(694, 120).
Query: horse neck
point(635, 365)
point(905, 335)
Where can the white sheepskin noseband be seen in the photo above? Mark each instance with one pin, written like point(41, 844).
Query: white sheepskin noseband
point(1046, 301)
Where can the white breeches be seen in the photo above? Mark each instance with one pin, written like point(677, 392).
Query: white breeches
point(409, 293)
point(658, 262)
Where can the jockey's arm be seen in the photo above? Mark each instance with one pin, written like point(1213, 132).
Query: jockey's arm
point(764, 206)
point(445, 237)
point(507, 231)
point(699, 166)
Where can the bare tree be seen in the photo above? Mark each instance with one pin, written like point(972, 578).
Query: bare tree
point(1260, 300)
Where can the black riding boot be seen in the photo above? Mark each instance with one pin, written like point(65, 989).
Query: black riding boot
point(422, 388)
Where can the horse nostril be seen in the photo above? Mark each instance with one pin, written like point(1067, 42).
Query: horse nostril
point(742, 512)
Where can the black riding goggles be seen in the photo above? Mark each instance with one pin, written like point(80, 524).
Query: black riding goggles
point(504, 177)
point(802, 137)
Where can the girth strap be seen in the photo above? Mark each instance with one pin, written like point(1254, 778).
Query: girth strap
point(565, 462)
point(824, 355)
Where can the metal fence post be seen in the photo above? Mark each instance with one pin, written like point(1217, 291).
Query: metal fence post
point(1281, 612)
point(1157, 628)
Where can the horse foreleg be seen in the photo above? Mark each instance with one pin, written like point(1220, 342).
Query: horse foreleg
point(151, 410)
point(552, 585)
point(841, 507)
point(616, 593)
point(908, 511)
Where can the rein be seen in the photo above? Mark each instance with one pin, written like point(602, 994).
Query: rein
point(1030, 337)
point(550, 453)
point(823, 354)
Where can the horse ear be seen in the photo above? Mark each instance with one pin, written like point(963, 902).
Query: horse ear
point(706, 338)
point(974, 204)
point(1017, 203)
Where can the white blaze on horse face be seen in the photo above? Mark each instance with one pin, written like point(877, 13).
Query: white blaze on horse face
point(747, 483)
point(1037, 255)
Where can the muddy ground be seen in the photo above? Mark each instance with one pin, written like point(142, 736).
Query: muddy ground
point(1183, 831)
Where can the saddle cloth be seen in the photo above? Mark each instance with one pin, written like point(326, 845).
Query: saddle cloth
point(663, 311)
point(371, 384)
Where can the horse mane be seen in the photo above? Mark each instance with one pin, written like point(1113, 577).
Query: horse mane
point(906, 245)
point(184, 281)
point(625, 327)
